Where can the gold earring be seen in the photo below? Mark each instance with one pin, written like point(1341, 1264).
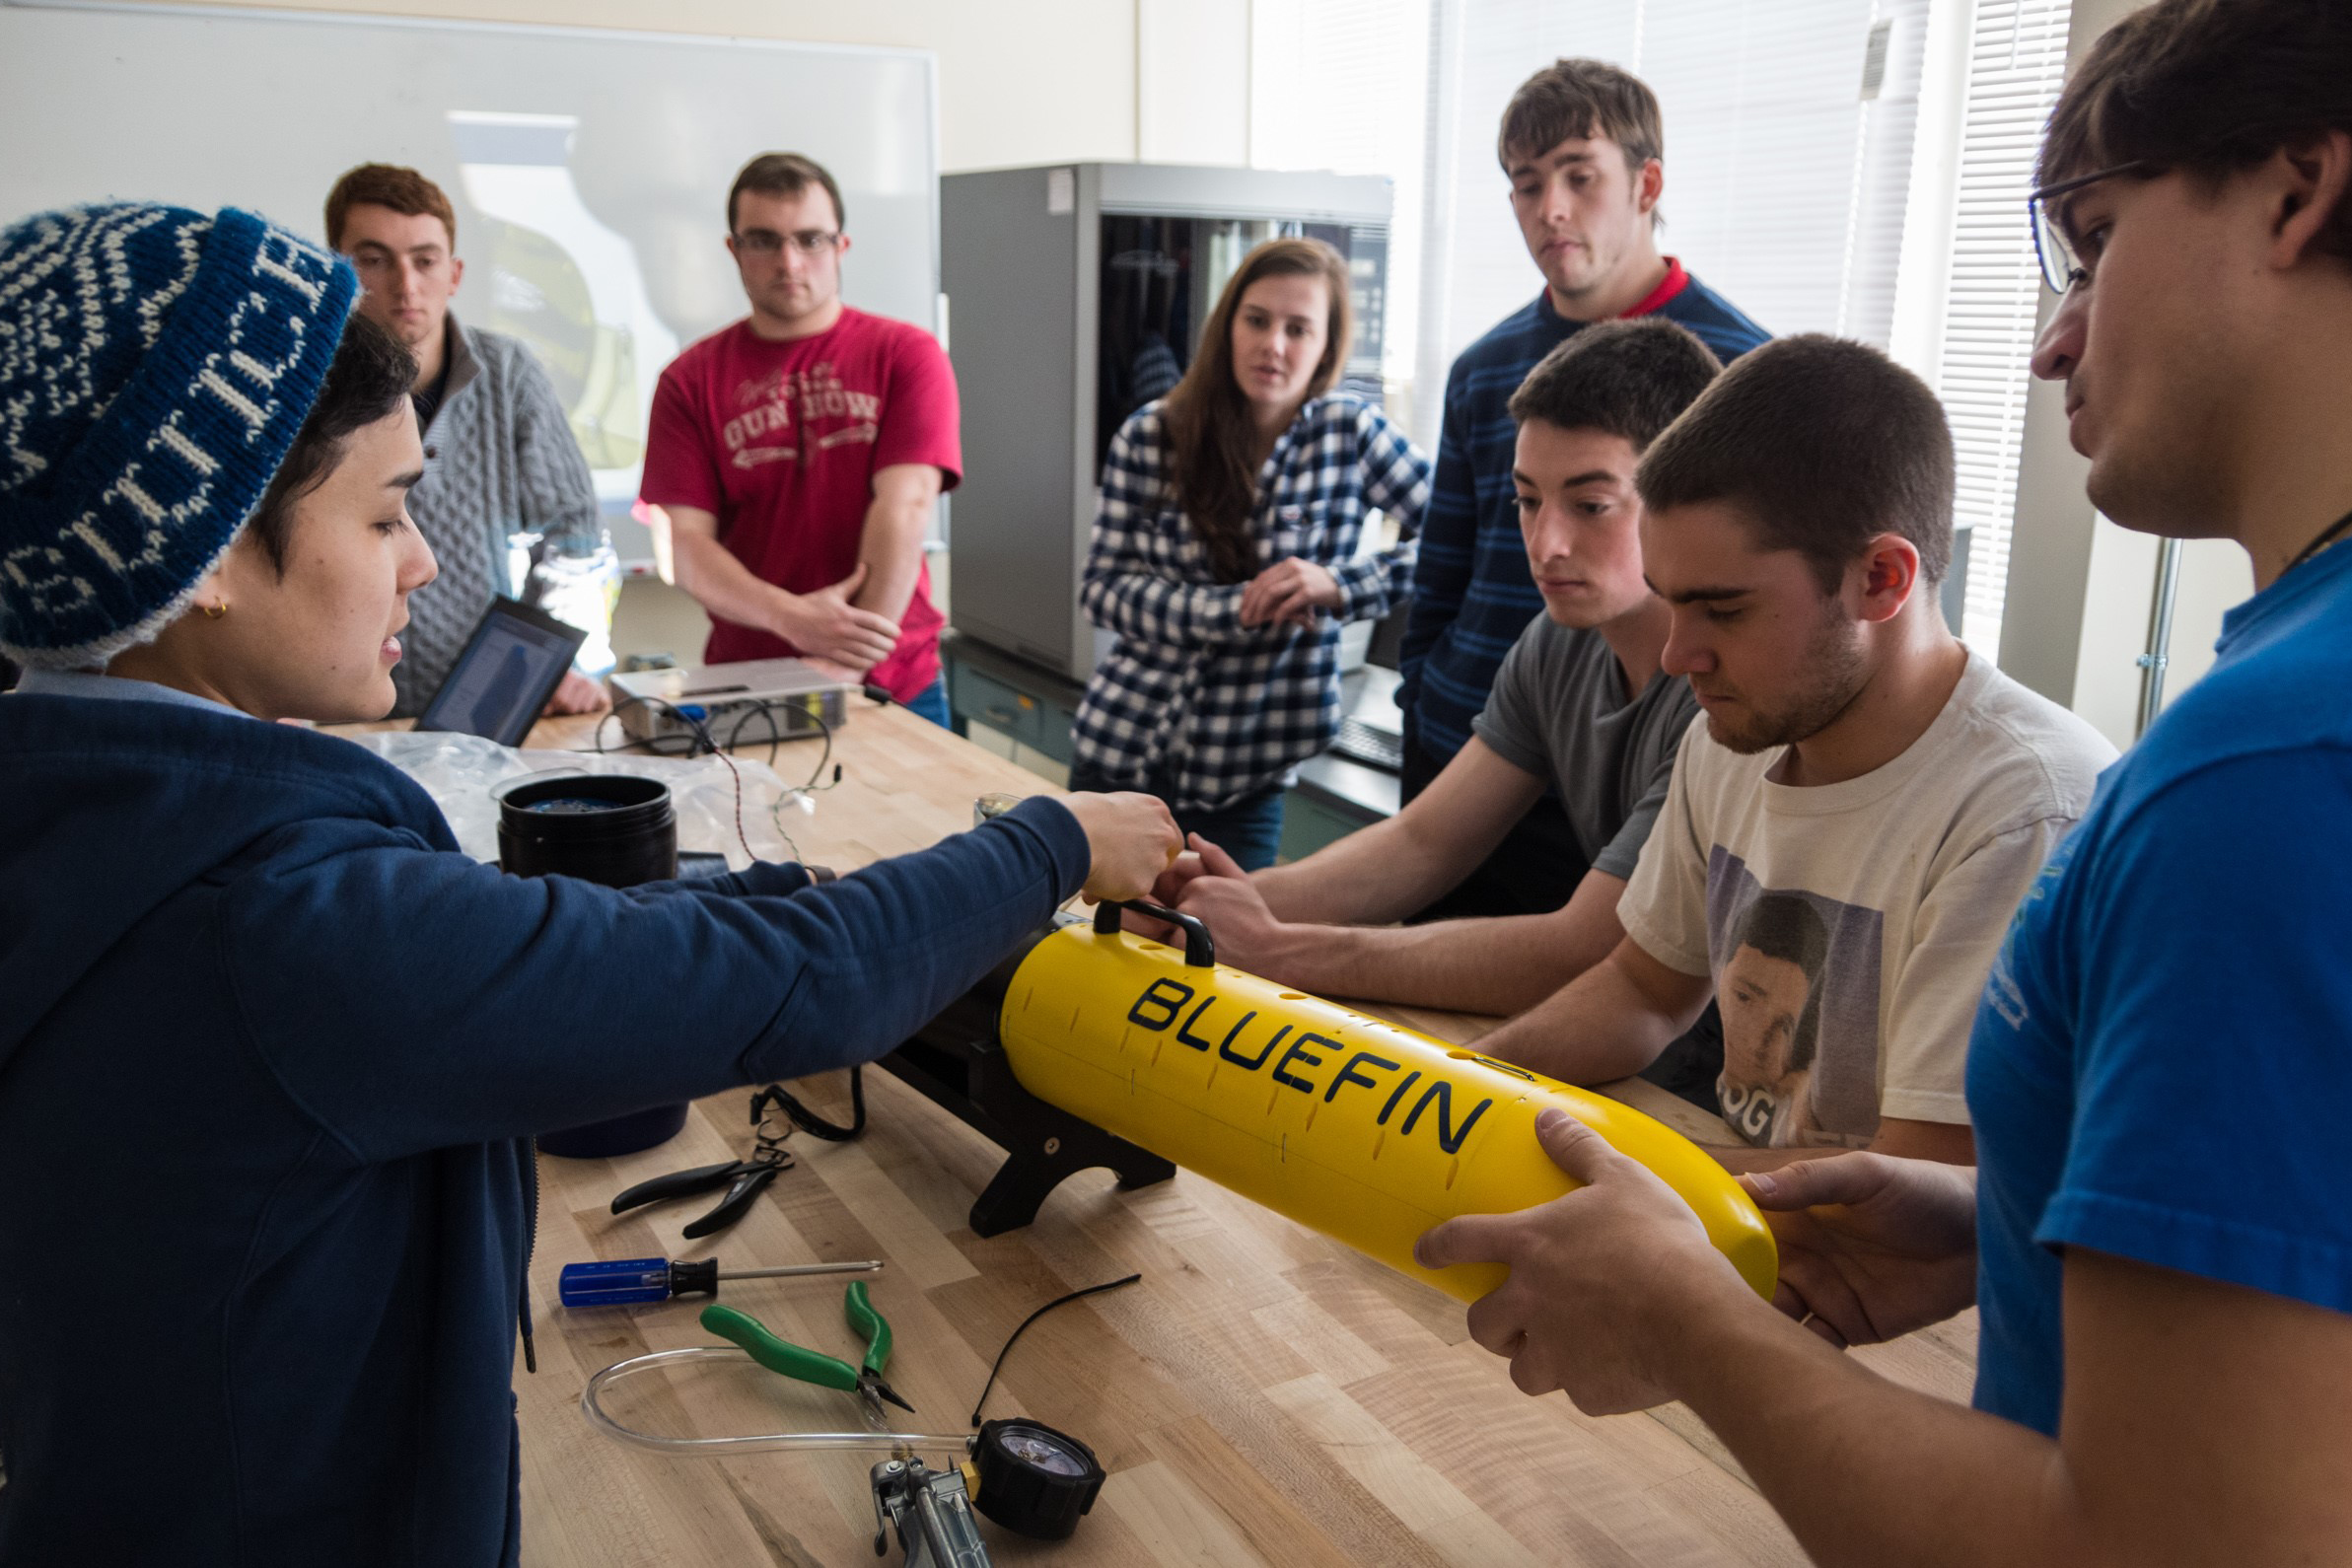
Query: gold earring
point(216, 611)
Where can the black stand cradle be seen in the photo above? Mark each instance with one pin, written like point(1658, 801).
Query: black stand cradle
point(956, 1062)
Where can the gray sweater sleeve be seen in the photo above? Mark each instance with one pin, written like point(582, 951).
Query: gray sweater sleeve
point(559, 499)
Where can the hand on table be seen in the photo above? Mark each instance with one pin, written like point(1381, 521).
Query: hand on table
point(1290, 592)
point(825, 625)
point(575, 693)
point(1133, 838)
point(1595, 1275)
point(1871, 1247)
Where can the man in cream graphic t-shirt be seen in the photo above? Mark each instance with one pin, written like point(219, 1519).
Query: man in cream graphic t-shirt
point(1847, 927)
point(1855, 818)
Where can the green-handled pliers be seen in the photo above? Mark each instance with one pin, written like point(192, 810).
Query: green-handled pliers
point(815, 1366)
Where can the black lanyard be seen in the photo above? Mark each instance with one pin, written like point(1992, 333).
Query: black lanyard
point(2326, 537)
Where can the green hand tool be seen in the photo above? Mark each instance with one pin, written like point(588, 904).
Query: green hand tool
point(815, 1366)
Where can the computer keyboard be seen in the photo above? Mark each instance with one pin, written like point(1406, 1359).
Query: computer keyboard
point(1359, 742)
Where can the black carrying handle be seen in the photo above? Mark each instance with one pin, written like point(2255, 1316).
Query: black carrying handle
point(1199, 952)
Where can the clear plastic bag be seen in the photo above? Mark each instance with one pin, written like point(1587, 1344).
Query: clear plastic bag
point(463, 773)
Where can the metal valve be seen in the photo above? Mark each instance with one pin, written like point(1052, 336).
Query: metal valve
point(931, 1510)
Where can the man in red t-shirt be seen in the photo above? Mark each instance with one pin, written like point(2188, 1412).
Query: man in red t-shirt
point(797, 453)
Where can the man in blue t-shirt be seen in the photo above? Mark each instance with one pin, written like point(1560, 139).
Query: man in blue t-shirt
point(2159, 1240)
point(1581, 143)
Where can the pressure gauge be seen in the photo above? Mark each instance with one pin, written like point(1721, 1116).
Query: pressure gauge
point(1034, 1480)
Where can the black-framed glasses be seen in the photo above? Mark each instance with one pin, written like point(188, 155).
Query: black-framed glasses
point(2061, 265)
point(808, 242)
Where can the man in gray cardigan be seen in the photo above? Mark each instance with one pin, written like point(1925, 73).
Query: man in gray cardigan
point(499, 454)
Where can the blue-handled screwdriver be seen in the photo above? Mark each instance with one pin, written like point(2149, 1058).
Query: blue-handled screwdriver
point(634, 1280)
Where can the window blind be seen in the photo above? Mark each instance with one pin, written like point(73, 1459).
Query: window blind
point(2017, 63)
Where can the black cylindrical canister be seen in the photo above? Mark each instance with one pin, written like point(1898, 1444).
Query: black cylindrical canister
point(609, 829)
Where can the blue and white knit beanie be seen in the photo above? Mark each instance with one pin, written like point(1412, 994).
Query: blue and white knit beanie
point(155, 364)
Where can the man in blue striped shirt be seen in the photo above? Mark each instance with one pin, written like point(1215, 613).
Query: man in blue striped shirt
point(1582, 144)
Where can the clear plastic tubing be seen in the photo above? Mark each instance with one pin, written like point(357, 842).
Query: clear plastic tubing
point(753, 1443)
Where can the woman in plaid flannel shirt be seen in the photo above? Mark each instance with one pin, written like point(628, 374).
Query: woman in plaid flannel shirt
point(1225, 556)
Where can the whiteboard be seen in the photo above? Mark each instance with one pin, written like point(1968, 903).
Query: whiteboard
point(588, 168)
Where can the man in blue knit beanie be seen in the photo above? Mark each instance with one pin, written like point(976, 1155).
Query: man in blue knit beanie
point(156, 374)
point(288, 1044)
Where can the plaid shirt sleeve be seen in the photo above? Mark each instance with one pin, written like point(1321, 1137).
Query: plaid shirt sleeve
point(1395, 480)
point(1126, 589)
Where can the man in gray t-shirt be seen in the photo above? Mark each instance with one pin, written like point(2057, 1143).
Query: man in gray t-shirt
point(1579, 707)
point(1558, 711)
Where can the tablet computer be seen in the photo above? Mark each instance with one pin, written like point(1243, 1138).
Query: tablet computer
point(512, 663)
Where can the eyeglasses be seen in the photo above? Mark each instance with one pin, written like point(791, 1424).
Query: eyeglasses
point(2061, 266)
point(808, 242)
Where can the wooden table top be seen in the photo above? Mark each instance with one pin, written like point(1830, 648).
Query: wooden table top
point(1263, 1397)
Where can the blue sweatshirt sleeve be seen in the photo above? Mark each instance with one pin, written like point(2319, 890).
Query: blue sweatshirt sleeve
point(410, 999)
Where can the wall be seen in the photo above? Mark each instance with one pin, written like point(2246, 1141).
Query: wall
point(1192, 82)
point(1020, 81)
point(2121, 581)
point(2081, 588)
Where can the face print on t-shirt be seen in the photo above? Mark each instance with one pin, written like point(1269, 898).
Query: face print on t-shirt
point(1797, 983)
point(1771, 1027)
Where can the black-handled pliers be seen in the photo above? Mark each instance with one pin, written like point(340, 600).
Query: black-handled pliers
point(744, 1179)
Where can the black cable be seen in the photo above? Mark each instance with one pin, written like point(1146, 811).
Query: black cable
point(775, 737)
point(701, 735)
point(698, 739)
point(767, 710)
point(695, 742)
point(815, 1125)
point(2319, 544)
point(1059, 1301)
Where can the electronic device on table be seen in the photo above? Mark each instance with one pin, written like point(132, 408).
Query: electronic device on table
point(1361, 741)
point(756, 700)
point(511, 665)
